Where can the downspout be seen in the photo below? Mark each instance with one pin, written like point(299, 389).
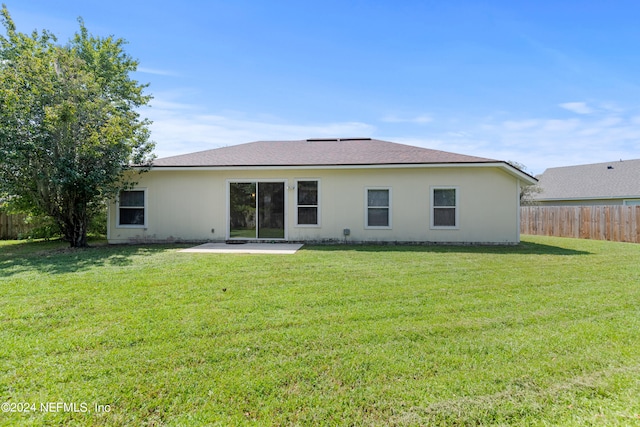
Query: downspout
point(518, 189)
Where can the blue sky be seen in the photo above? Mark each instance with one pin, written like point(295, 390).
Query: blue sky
point(544, 83)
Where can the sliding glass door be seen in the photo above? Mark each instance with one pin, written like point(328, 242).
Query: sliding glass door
point(256, 210)
point(242, 210)
point(270, 210)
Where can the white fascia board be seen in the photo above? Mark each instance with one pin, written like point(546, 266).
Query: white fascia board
point(502, 165)
point(511, 170)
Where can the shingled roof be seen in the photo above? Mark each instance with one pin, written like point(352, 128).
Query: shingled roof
point(611, 180)
point(316, 152)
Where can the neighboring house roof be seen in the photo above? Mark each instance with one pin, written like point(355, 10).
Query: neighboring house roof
point(611, 180)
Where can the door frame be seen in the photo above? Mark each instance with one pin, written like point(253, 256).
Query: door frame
point(256, 181)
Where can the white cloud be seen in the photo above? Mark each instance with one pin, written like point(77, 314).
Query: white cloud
point(537, 142)
point(542, 142)
point(555, 125)
point(155, 71)
point(611, 107)
point(609, 121)
point(167, 105)
point(577, 107)
point(520, 124)
point(551, 142)
point(420, 119)
point(179, 128)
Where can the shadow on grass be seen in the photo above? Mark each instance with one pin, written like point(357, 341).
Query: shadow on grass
point(57, 257)
point(523, 248)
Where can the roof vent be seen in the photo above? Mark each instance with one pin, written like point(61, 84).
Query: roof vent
point(609, 167)
point(337, 139)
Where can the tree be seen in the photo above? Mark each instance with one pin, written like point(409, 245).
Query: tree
point(527, 192)
point(70, 131)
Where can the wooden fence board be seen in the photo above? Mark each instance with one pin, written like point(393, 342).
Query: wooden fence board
point(616, 222)
point(11, 226)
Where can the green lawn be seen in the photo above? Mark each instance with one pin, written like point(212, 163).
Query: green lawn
point(546, 333)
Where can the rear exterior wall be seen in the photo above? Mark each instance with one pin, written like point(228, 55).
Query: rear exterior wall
point(192, 205)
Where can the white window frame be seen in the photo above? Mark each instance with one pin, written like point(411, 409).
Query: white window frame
point(319, 217)
point(432, 207)
point(366, 209)
point(145, 207)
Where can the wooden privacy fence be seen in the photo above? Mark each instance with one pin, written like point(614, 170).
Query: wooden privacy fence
point(617, 223)
point(11, 226)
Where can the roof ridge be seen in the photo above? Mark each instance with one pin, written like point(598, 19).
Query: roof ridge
point(597, 164)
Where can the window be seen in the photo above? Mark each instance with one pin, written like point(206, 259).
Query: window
point(444, 203)
point(308, 202)
point(131, 209)
point(378, 212)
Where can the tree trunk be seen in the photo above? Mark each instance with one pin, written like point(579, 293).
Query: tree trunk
point(75, 229)
point(79, 237)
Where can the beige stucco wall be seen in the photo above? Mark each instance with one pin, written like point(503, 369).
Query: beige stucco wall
point(191, 205)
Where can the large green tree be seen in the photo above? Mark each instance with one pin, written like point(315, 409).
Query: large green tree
point(70, 129)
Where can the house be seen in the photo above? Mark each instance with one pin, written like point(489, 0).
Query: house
point(610, 183)
point(322, 190)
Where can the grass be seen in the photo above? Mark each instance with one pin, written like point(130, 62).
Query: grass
point(263, 233)
point(547, 333)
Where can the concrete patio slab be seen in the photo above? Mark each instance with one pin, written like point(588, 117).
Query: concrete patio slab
point(246, 248)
